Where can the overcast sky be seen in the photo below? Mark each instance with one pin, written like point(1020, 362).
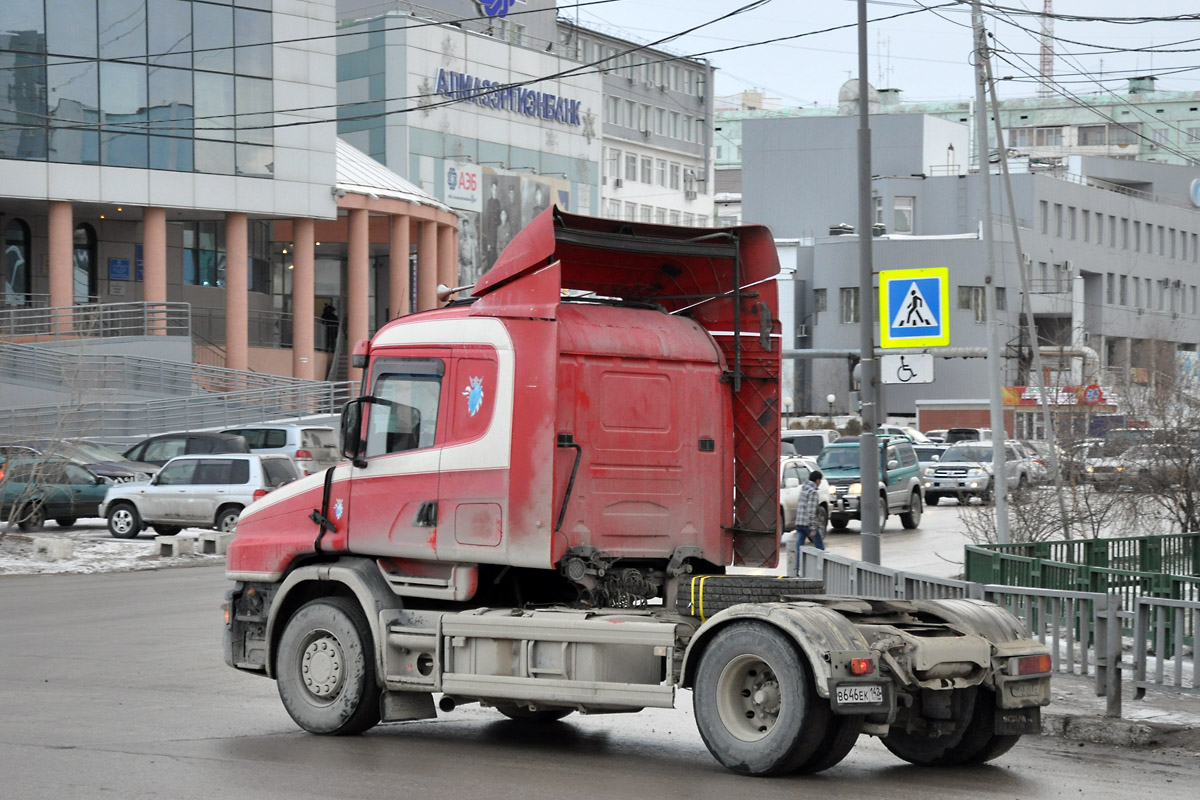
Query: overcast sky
point(924, 54)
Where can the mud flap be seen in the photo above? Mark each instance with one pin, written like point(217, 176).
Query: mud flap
point(1018, 721)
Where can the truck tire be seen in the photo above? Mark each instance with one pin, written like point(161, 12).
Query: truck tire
point(911, 519)
point(973, 740)
point(326, 669)
point(932, 499)
point(539, 716)
point(702, 596)
point(839, 740)
point(839, 523)
point(755, 703)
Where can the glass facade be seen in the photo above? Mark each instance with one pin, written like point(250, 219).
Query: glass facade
point(181, 85)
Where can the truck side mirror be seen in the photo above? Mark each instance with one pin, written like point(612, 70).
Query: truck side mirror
point(352, 444)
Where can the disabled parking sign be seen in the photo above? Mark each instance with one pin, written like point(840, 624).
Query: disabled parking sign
point(914, 307)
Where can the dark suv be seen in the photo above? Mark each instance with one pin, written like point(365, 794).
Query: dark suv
point(898, 489)
point(160, 449)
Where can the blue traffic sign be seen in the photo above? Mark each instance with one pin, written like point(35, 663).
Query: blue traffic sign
point(914, 307)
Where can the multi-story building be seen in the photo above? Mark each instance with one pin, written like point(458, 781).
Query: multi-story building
point(657, 129)
point(1112, 248)
point(149, 150)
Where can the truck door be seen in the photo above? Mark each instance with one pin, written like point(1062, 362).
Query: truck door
point(394, 498)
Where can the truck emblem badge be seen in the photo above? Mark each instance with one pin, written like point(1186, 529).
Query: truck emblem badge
point(338, 508)
point(474, 395)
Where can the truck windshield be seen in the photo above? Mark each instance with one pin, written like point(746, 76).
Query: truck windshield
point(839, 458)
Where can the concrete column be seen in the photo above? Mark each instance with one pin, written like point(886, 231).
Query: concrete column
point(427, 267)
point(237, 288)
point(398, 274)
point(154, 249)
point(357, 284)
point(447, 255)
point(62, 261)
point(303, 300)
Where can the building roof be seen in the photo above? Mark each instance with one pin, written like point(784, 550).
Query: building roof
point(358, 173)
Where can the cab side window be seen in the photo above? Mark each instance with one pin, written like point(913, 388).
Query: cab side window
point(177, 473)
point(165, 449)
point(908, 456)
point(404, 415)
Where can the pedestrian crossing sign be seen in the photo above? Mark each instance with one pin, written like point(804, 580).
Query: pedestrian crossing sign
point(914, 307)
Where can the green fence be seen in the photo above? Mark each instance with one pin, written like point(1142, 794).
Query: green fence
point(1162, 567)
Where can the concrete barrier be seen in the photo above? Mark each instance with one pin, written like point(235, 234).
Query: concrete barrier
point(47, 549)
point(214, 542)
point(175, 546)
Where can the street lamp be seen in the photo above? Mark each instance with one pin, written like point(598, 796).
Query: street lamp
point(830, 399)
point(787, 408)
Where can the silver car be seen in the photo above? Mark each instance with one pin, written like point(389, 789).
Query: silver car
point(793, 473)
point(311, 447)
point(202, 491)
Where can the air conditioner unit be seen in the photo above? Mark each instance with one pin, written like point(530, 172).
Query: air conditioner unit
point(1177, 284)
point(690, 194)
point(801, 331)
point(1026, 259)
point(618, 183)
point(647, 133)
point(1069, 267)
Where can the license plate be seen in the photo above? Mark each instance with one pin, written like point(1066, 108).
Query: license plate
point(869, 694)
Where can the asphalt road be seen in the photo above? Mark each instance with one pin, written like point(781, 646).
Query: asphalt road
point(114, 686)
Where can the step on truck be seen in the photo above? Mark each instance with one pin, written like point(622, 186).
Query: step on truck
point(545, 486)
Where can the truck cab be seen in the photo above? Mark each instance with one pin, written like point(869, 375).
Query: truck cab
point(899, 487)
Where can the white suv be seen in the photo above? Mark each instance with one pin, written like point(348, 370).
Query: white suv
point(311, 447)
point(203, 491)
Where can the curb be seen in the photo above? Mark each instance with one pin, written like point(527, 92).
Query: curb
point(1119, 732)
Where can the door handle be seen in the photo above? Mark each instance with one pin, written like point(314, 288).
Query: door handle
point(426, 515)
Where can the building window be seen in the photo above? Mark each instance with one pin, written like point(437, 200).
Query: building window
point(1071, 221)
point(1044, 209)
point(1048, 137)
point(877, 210)
point(689, 219)
point(614, 209)
point(631, 212)
point(1160, 135)
point(660, 216)
point(647, 170)
point(1124, 289)
point(1110, 288)
point(1087, 224)
point(203, 254)
point(631, 166)
point(630, 114)
point(674, 217)
point(1112, 231)
point(660, 172)
point(16, 264)
point(674, 133)
point(903, 214)
point(1124, 134)
point(849, 301)
point(1092, 135)
point(614, 163)
point(819, 299)
point(1193, 135)
point(973, 299)
point(676, 172)
point(84, 263)
point(612, 110)
point(647, 213)
point(1058, 220)
point(660, 121)
point(1124, 233)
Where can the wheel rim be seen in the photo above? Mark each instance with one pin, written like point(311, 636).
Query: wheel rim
point(122, 521)
point(323, 666)
point(228, 523)
point(748, 698)
point(914, 508)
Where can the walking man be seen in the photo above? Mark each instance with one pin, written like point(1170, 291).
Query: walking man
point(808, 526)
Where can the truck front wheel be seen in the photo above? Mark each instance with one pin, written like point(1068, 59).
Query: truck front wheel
point(326, 669)
point(755, 704)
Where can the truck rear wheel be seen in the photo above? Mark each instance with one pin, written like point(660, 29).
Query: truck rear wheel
point(839, 740)
point(755, 704)
point(972, 741)
point(326, 669)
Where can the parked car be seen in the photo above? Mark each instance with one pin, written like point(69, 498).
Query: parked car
point(95, 457)
point(1143, 467)
point(160, 449)
point(793, 473)
point(965, 471)
point(203, 491)
point(49, 488)
point(928, 454)
point(955, 435)
point(311, 447)
point(912, 434)
point(937, 435)
point(809, 443)
point(898, 486)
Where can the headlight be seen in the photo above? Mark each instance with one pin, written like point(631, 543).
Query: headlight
point(855, 488)
point(1089, 469)
point(976, 473)
point(927, 471)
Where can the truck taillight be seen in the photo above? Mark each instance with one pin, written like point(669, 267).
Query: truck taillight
point(260, 493)
point(225, 611)
point(862, 666)
point(1030, 665)
point(304, 454)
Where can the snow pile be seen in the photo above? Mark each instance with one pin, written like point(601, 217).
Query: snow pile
point(94, 551)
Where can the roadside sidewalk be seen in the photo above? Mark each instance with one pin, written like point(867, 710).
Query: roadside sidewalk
point(1159, 719)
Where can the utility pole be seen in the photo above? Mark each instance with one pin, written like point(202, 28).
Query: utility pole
point(995, 373)
point(868, 449)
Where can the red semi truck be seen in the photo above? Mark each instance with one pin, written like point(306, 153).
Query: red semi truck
point(544, 485)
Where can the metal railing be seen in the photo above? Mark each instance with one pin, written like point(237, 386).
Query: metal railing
point(95, 319)
point(79, 373)
point(1086, 632)
point(122, 419)
point(264, 328)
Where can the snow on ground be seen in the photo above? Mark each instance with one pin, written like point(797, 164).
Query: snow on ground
point(95, 550)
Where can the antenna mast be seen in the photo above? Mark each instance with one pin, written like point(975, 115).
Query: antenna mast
point(1047, 50)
